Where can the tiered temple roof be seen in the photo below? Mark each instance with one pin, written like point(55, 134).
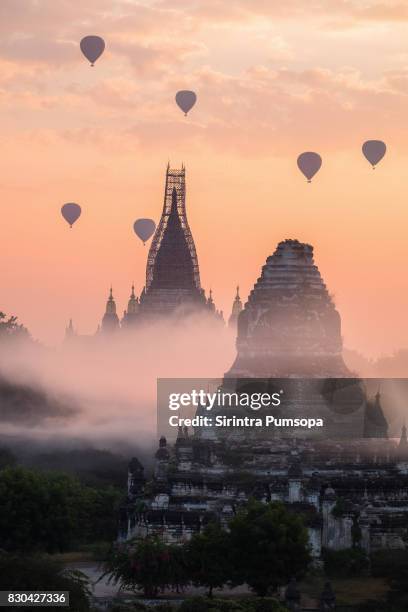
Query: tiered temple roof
point(289, 325)
point(290, 329)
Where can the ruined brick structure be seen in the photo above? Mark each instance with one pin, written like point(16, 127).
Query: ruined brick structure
point(349, 495)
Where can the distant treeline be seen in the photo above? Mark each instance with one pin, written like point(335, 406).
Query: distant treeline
point(92, 466)
point(54, 512)
point(10, 328)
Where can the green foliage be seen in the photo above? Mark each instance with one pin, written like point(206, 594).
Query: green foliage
point(269, 545)
point(179, 574)
point(141, 563)
point(266, 545)
point(19, 573)
point(53, 512)
point(350, 562)
point(209, 562)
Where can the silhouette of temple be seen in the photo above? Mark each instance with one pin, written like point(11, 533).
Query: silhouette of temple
point(236, 309)
point(130, 315)
point(290, 325)
point(173, 287)
point(110, 321)
point(172, 272)
point(290, 328)
point(350, 485)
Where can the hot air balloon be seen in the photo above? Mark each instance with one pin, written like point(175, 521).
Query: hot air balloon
point(71, 212)
point(185, 100)
point(374, 151)
point(309, 163)
point(144, 229)
point(92, 47)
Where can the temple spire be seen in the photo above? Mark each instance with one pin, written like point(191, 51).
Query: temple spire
point(173, 235)
point(173, 285)
point(110, 321)
point(236, 309)
point(130, 316)
point(133, 303)
point(110, 304)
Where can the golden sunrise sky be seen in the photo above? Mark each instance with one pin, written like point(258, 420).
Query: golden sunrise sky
point(273, 79)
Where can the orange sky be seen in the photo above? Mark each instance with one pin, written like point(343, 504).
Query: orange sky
point(273, 79)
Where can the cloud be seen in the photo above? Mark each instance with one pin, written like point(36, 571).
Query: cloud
point(246, 106)
point(156, 58)
point(47, 16)
point(259, 112)
point(342, 13)
point(34, 50)
point(381, 11)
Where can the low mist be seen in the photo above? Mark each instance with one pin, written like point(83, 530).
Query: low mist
point(101, 390)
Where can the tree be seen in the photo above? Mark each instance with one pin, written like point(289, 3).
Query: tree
point(208, 558)
point(9, 328)
point(93, 467)
point(21, 573)
point(141, 563)
point(178, 567)
point(269, 545)
point(53, 512)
